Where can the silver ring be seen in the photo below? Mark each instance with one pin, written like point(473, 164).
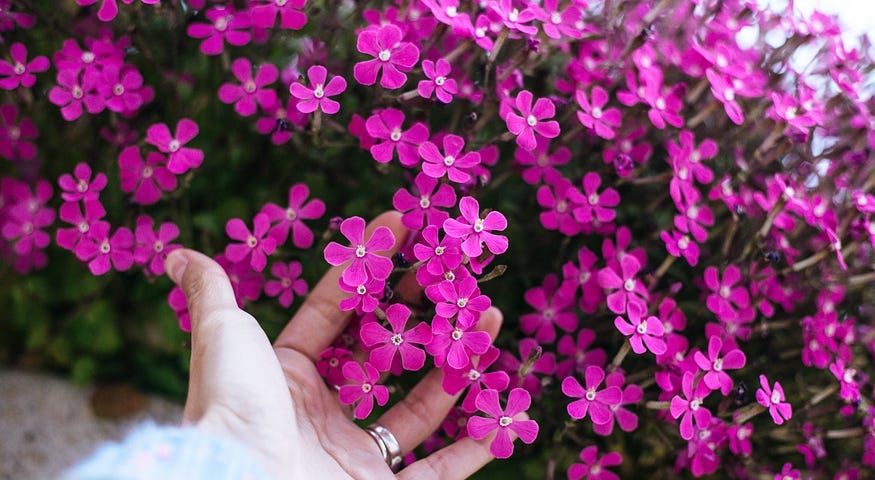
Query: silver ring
point(389, 447)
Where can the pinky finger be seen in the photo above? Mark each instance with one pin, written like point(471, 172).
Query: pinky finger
point(457, 461)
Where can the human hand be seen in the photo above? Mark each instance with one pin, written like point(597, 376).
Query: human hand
point(272, 398)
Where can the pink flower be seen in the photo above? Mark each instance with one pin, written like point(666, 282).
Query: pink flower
point(20, 72)
point(475, 231)
point(227, 25)
point(679, 244)
point(316, 97)
point(518, 401)
point(455, 346)
point(152, 247)
point(532, 377)
point(578, 353)
point(25, 223)
point(437, 83)
point(365, 296)
point(690, 405)
point(386, 125)
point(721, 87)
point(256, 245)
point(264, 13)
point(594, 116)
point(251, 89)
point(476, 378)
point(365, 263)
point(102, 251)
point(449, 163)
point(330, 364)
point(422, 206)
point(292, 217)
point(279, 121)
point(642, 331)
point(391, 55)
point(774, 400)
point(462, 299)
point(556, 23)
point(555, 308)
point(726, 298)
point(597, 403)
point(627, 289)
point(108, 8)
point(716, 365)
point(386, 346)
point(627, 420)
point(362, 389)
point(593, 466)
point(439, 256)
point(531, 120)
point(15, 137)
point(72, 93)
point(179, 159)
point(541, 164)
point(146, 179)
point(80, 185)
point(177, 301)
point(71, 212)
point(123, 89)
point(556, 196)
point(288, 283)
point(595, 205)
point(512, 17)
point(585, 276)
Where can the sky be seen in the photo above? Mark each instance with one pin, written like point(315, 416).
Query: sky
point(857, 15)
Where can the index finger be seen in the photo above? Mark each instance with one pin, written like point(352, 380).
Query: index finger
point(319, 320)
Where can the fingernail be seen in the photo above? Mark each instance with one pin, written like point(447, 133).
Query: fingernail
point(175, 265)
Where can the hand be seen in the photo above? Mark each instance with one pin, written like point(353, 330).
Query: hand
point(273, 400)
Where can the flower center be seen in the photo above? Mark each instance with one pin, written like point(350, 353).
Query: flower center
point(424, 202)
point(158, 247)
point(291, 214)
point(660, 103)
point(451, 11)
point(27, 228)
point(396, 339)
point(718, 364)
point(642, 327)
point(513, 15)
point(361, 290)
point(439, 81)
point(286, 282)
point(319, 92)
point(450, 276)
point(724, 291)
point(87, 57)
point(19, 68)
point(105, 247)
point(118, 89)
point(281, 3)
point(252, 242)
point(594, 199)
point(776, 397)
point(448, 160)
point(473, 375)
point(561, 206)
point(147, 172)
point(77, 92)
point(505, 421)
point(629, 284)
point(222, 24)
point(729, 94)
point(590, 394)
point(82, 186)
point(83, 227)
point(173, 146)
point(683, 173)
point(584, 277)
point(597, 112)
point(478, 225)
point(439, 250)
point(249, 86)
point(531, 120)
point(384, 55)
point(461, 302)
point(695, 404)
point(684, 242)
point(479, 32)
point(457, 334)
point(395, 135)
point(366, 387)
point(360, 251)
point(556, 18)
point(14, 133)
point(333, 362)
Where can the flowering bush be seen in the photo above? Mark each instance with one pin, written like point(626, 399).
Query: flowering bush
point(670, 201)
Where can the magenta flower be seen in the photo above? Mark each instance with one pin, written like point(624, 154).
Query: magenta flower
point(555, 309)
point(179, 158)
point(585, 276)
point(455, 346)
point(280, 120)
point(385, 345)
point(558, 23)
point(72, 93)
point(593, 466)
point(362, 389)
point(122, 89)
point(533, 376)
point(179, 304)
point(251, 89)
point(578, 353)
point(20, 71)
point(146, 179)
point(540, 164)
point(80, 185)
point(721, 87)
point(424, 206)
point(690, 406)
point(595, 205)
point(316, 97)
point(330, 364)
point(626, 289)
point(556, 196)
point(773, 399)
point(288, 282)
point(108, 8)
point(292, 217)
point(679, 244)
point(103, 251)
point(593, 115)
point(437, 82)
point(597, 403)
point(152, 247)
point(512, 17)
point(439, 256)
point(72, 213)
point(475, 231)
point(15, 138)
point(475, 378)
point(25, 223)
point(627, 420)
point(518, 401)
point(644, 333)
point(726, 298)
point(716, 365)
point(227, 26)
point(461, 298)
point(531, 120)
point(386, 125)
point(450, 163)
point(365, 296)
point(363, 258)
point(255, 244)
point(264, 13)
point(391, 56)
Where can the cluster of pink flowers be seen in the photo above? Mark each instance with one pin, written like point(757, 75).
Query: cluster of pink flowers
point(584, 147)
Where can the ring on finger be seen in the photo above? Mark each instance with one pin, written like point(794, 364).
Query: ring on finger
point(388, 444)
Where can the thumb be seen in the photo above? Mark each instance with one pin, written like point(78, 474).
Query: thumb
point(204, 282)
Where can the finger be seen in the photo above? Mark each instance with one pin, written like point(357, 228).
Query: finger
point(457, 461)
point(421, 412)
point(319, 320)
point(204, 282)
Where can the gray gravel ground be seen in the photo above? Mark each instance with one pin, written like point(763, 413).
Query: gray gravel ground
point(47, 424)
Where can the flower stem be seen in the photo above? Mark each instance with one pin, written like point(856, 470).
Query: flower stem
point(618, 359)
point(666, 264)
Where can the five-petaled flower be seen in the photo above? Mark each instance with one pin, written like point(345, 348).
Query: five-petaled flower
point(518, 401)
point(475, 231)
point(365, 262)
point(255, 244)
point(20, 71)
point(597, 403)
point(452, 163)
point(386, 345)
point(690, 405)
point(251, 89)
point(362, 388)
point(773, 399)
point(392, 56)
point(531, 120)
point(179, 158)
point(644, 332)
point(437, 82)
point(316, 97)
